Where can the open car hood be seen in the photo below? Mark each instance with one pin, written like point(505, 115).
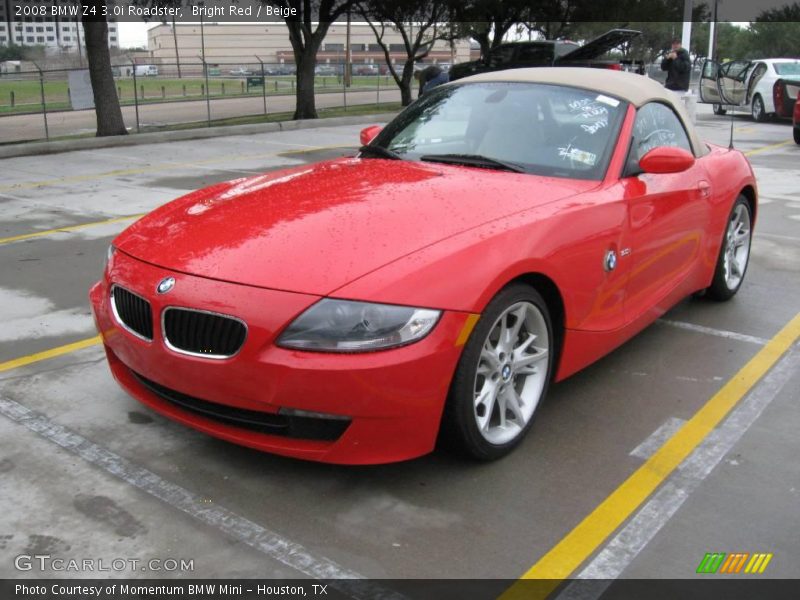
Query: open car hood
point(600, 45)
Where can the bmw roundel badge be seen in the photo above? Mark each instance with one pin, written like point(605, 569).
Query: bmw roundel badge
point(165, 285)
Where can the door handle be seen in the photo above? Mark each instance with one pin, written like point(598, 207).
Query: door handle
point(705, 189)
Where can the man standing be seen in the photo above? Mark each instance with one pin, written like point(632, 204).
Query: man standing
point(678, 66)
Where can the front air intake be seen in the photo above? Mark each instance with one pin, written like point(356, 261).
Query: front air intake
point(132, 312)
point(203, 333)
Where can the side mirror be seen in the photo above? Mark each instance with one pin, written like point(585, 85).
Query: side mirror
point(666, 159)
point(369, 133)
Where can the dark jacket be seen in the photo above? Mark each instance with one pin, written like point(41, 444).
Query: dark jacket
point(428, 74)
point(678, 70)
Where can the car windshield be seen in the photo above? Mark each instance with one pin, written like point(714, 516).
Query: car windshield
point(534, 128)
point(789, 68)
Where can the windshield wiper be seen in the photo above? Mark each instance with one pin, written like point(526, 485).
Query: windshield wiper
point(474, 160)
point(380, 152)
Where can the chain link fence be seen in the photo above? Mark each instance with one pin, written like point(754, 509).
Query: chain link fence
point(45, 103)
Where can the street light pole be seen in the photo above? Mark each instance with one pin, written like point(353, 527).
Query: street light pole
point(686, 37)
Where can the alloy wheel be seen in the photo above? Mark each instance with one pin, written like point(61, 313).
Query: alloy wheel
point(737, 246)
point(512, 371)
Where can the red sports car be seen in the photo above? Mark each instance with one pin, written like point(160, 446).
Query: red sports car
point(502, 232)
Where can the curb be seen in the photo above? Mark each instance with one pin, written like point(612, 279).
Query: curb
point(160, 137)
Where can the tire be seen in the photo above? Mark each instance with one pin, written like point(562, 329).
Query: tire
point(719, 110)
point(734, 253)
point(757, 109)
point(796, 133)
point(510, 377)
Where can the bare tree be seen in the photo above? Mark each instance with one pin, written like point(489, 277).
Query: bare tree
point(420, 25)
point(106, 102)
point(486, 21)
point(306, 41)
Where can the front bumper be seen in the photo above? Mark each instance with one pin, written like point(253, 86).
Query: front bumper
point(393, 399)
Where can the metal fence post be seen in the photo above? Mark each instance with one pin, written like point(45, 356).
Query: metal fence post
point(44, 102)
point(344, 86)
point(264, 86)
point(135, 98)
point(378, 93)
point(208, 91)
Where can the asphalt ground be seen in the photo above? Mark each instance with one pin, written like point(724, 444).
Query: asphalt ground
point(634, 468)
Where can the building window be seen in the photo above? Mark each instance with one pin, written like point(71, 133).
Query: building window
point(2, 38)
point(48, 29)
point(397, 47)
point(40, 39)
point(113, 38)
point(50, 38)
point(29, 39)
point(40, 30)
point(66, 38)
point(29, 30)
point(334, 47)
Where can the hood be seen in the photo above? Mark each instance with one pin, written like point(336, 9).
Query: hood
point(600, 45)
point(312, 229)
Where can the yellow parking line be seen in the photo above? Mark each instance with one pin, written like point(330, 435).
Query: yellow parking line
point(769, 147)
point(580, 543)
point(52, 353)
point(27, 236)
point(153, 168)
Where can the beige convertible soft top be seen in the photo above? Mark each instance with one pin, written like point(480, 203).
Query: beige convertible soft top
point(636, 89)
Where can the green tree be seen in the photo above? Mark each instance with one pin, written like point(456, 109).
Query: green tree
point(420, 24)
point(106, 102)
point(308, 23)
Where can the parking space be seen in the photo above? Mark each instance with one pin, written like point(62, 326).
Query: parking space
point(88, 471)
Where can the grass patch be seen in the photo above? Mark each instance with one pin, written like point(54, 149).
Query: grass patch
point(28, 98)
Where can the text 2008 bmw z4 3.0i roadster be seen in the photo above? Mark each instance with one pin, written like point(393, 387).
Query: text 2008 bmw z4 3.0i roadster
point(502, 232)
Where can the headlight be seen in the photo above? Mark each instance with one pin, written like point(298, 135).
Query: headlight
point(347, 326)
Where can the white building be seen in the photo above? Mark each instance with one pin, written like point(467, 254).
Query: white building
point(55, 35)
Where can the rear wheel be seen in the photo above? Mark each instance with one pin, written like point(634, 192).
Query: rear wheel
point(503, 375)
point(796, 132)
point(757, 109)
point(720, 110)
point(734, 255)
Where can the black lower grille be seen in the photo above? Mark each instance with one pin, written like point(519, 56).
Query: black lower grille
point(133, 312)
point(203, 333)
point(307, 428)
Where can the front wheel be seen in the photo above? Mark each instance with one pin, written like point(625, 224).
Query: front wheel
point(503, 375)
point(734, 255)
point(720, 110)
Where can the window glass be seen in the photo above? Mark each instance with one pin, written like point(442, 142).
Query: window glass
point(535, 54)
point(790, 68)
point(545, 129)
point(657, 125)
point(501, 55)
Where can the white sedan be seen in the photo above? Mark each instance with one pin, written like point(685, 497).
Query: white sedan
point(767, 87)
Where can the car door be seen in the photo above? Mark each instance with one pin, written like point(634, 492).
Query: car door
point(725, 83)
point(732, 81)
point(668, 213)
point(709, 93)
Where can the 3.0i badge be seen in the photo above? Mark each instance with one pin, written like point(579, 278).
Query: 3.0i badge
point(165, 285)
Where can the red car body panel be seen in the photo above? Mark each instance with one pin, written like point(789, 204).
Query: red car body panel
point(315, 228)
point(449, 237)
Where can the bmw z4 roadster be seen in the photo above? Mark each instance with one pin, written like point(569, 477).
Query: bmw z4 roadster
point(501, 233)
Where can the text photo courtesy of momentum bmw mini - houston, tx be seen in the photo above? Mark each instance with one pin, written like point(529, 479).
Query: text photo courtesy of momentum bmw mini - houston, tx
point(416, 299)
